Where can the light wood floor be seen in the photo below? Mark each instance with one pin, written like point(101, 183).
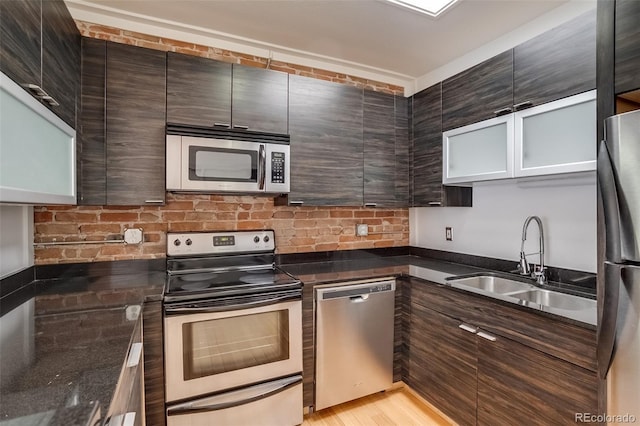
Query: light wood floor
point(395, 407)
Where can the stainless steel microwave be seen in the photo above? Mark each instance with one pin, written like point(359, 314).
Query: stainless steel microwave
point(215, 164)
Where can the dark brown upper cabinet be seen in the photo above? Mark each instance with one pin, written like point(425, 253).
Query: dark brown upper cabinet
point(385, 146)
point(260, 99)
point(426, 159)
point(92, 154)
point(210, 93)
point(198, 91)
point(479, 93)
point(627, 46)
point(558, 63)
point(40, 45)
point(135, 125)
point(122, 121)
point(325, 124)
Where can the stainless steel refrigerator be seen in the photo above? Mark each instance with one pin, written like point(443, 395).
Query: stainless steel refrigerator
point(619, 309)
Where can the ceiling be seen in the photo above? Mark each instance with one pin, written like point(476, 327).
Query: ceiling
point(372, 33)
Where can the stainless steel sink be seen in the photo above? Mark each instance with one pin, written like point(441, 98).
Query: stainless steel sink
point(491, 284)
point(556, 300)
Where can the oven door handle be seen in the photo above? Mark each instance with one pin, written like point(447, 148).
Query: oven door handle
point(225, 308)
point(235, 398)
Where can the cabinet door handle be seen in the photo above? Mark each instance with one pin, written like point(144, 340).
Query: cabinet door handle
point(154, 201)
point(227, 125)
point(522, 105)
point(134, 354)
point(370, 204)
point(37, 90)
point(487, 336)
point(435, 203)
point(40, 93)
point(296, 203)
point(238, 126)
point(48, 99)
point(503, 111)
point(469, 328)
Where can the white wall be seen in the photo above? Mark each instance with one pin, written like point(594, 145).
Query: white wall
point(493, 226)
point(16, 238)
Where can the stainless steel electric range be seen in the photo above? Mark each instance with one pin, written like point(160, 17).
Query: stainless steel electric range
point(233, 332)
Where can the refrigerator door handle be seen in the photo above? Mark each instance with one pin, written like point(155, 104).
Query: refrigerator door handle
point(608, 318)
point(610, 204)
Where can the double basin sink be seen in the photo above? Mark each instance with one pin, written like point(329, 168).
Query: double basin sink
point(526, 294)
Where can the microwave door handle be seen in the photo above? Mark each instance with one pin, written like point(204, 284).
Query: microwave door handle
point(262, 167)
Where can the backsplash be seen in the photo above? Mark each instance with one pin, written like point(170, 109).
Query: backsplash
point(297, 229)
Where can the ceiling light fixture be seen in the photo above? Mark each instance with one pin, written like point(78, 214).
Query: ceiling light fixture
point(429, 7)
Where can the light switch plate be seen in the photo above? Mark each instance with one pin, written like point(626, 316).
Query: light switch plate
point(362, 230)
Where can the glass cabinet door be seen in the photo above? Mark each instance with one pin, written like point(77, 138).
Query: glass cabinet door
point(480, 151)
point(557, 137)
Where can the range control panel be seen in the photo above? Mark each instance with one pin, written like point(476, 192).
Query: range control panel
point(277, 167)
point(203, 243)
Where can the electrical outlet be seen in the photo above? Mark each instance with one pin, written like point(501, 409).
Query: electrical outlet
point(448, 233)
point(362, 230)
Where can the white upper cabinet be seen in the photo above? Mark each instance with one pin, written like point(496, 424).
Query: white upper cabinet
point(480, 151)
point(557, 137)
point(37, 151)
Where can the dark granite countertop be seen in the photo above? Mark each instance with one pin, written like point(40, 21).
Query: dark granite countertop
point(432, 270)
point(64, 341)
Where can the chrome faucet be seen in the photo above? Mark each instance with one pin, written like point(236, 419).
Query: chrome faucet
point(524, 269)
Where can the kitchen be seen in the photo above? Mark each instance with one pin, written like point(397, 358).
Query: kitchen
point(325, 224)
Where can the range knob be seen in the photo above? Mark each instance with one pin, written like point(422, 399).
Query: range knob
point(256, 239)
point(176, 242)
point(266, 239)
point(188, 242)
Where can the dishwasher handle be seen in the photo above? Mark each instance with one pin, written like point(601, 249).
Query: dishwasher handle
point(359, 299)
point(357, 291)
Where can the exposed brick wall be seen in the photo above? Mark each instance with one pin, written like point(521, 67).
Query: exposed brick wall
point(297, 229)
point(152, 42)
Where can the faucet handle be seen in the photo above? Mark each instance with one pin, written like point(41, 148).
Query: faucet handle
point(540, 274)
point(523, 266)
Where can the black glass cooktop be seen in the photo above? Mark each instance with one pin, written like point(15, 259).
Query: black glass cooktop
point(199, 284)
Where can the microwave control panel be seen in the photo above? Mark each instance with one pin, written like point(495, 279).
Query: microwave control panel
point(277, 167)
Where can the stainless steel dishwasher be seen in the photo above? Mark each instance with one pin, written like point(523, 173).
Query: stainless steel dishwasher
point(354, 340)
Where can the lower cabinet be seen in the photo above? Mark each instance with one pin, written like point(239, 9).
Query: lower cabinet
point(476, 375)
point(443, 373)
point(520, 385)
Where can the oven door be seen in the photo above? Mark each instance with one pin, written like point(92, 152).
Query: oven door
point(222, 165)
point(206, 352)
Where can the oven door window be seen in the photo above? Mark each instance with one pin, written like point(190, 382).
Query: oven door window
point(227, 344)
point(223, 164)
